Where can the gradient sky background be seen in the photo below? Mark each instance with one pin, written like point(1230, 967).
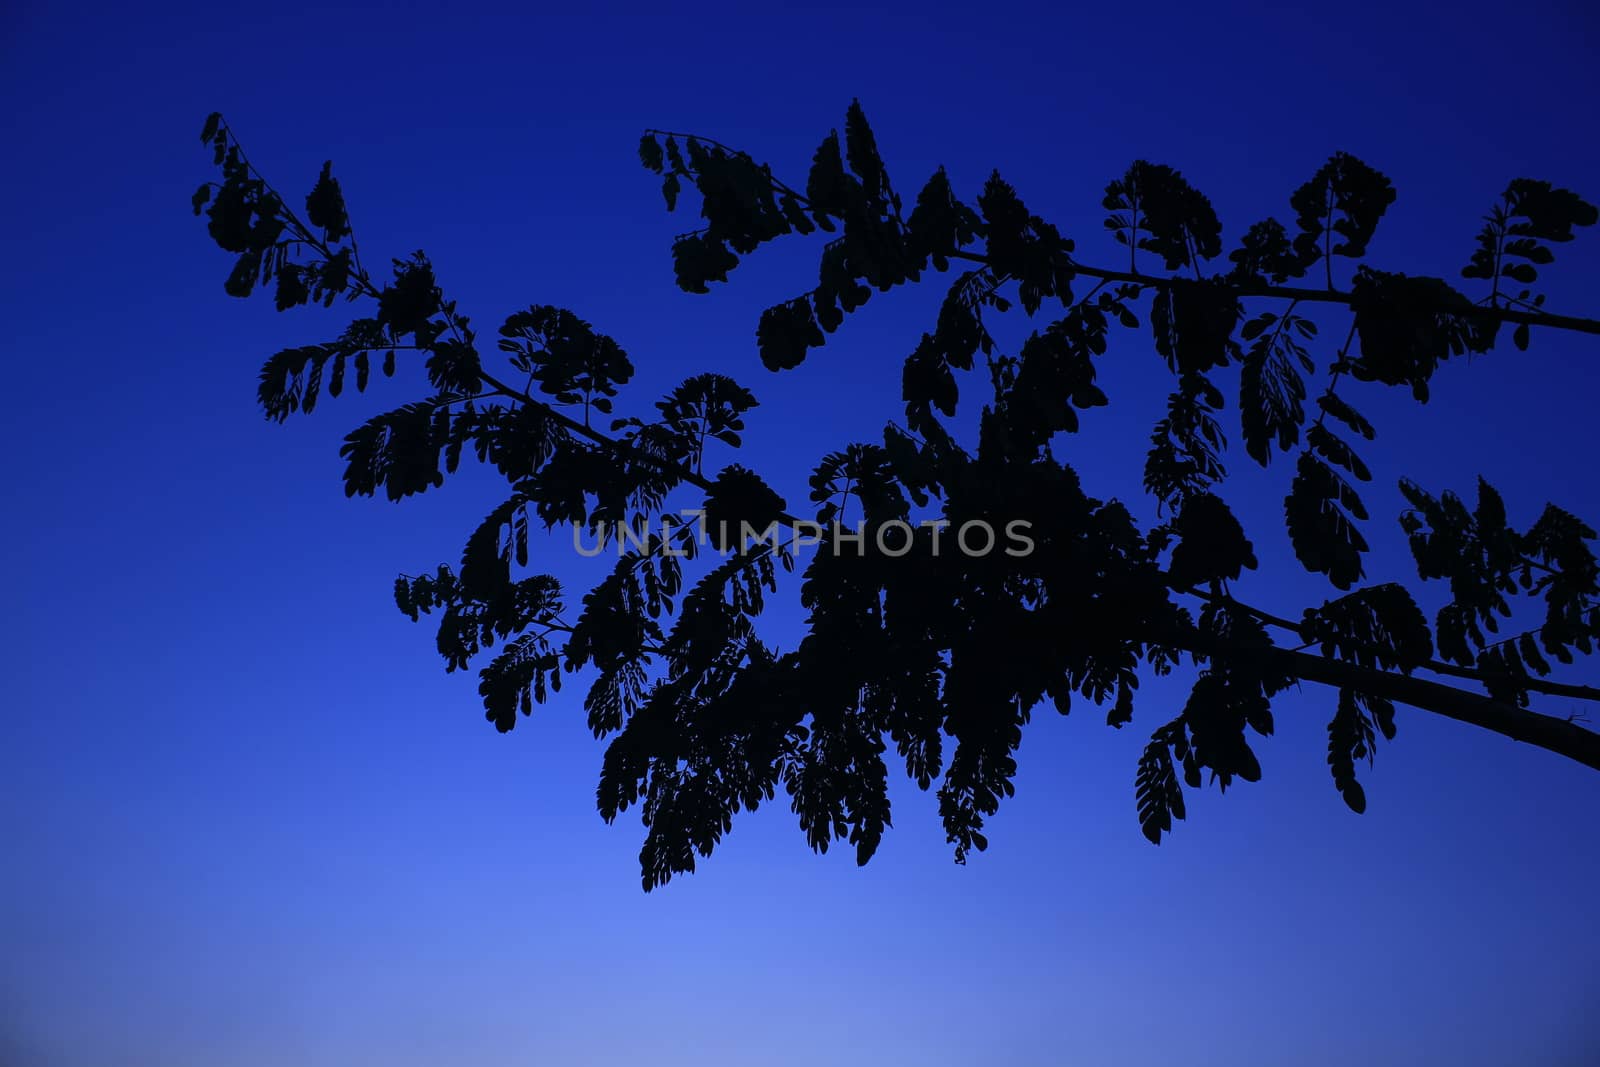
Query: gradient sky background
point(249, 820)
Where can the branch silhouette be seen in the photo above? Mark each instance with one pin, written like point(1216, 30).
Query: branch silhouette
point(929, 646)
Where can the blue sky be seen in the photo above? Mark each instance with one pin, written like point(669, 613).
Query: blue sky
point(250, 821)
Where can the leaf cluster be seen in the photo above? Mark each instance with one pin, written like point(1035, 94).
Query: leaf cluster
point(916, 650)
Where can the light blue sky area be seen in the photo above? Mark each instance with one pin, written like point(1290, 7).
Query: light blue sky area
point(249, 820)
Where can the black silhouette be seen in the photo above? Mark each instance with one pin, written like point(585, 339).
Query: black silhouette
point(903, 641)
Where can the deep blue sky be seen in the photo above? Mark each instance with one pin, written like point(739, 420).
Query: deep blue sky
point(248, 820)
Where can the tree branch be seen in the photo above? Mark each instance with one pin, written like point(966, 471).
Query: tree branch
point(1561, 736)
point(1532, 685)
point(1325, 296)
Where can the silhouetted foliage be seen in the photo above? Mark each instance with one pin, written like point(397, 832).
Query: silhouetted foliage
point(943, 655)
